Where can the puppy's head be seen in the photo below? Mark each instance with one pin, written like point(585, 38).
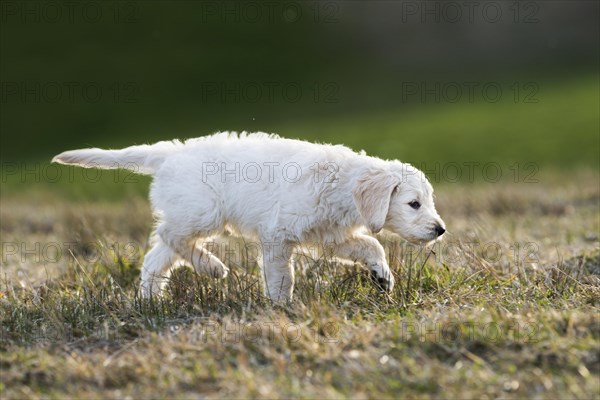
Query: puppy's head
point(399, 198)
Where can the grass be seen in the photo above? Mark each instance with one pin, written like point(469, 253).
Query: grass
point(506, 306)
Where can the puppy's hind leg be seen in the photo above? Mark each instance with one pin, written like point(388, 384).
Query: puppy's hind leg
point(156, 268)
point(191, 250)
point(191, 213)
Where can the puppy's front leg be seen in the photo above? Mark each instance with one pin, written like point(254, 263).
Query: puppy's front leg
point(278, 273)
point(368, 251)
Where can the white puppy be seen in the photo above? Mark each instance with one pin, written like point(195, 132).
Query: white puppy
point(283, 192)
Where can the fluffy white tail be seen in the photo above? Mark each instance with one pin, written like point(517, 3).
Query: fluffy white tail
point(143, 159)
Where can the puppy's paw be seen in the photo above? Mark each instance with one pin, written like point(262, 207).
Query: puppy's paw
point(383, 278)
point(208, 264)
point(216, 268)
point(152, 286)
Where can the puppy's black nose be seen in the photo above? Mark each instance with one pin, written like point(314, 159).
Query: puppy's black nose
point(439, 229)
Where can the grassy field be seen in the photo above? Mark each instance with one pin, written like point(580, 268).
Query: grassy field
point(506, 306)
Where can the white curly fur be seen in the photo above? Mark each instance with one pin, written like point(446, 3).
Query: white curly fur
point(284, 192)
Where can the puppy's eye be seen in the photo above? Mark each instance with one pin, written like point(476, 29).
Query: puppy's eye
point(415, 204)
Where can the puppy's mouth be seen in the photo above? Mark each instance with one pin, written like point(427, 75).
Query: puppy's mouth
point(423, 241)
point(431, 238)
point(423, 237)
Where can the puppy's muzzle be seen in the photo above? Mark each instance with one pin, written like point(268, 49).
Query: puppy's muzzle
point(439, 230)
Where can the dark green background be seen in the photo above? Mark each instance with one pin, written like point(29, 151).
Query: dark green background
point(352, 60)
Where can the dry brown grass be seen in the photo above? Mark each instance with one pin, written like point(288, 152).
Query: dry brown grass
point(506, 307)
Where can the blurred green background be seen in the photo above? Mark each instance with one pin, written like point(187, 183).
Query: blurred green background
point(425, 82)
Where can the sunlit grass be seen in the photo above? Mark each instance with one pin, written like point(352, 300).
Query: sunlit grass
point(461, 322)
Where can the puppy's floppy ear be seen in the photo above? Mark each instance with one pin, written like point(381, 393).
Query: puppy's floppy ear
point(372, 194)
